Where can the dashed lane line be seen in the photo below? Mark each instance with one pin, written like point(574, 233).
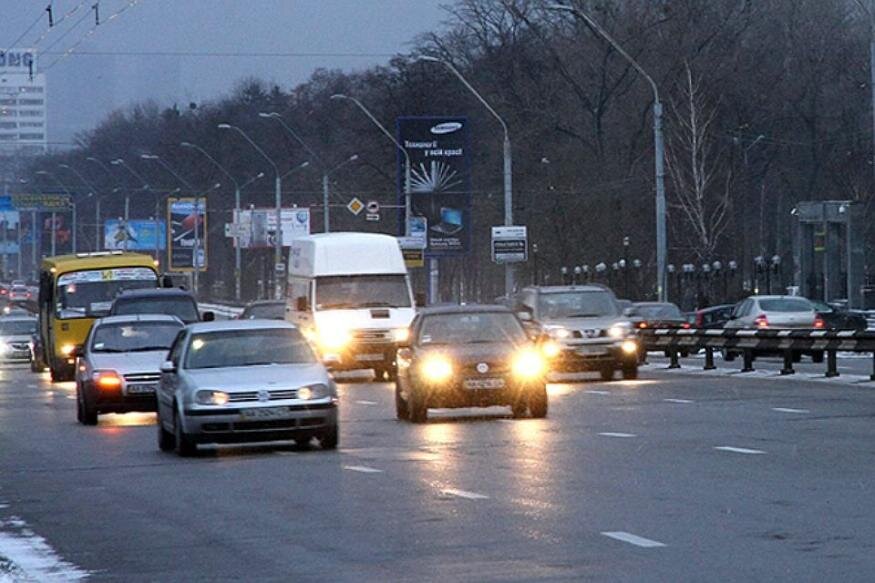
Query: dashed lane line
point(614, 434)
point(745, 450)
point(633, 539)
point(367, 402)
point(363, 469)
point(681, 401)
point(789, 410)
point(598, 392)
point(464, 494)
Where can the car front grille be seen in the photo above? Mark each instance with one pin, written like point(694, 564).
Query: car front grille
point(252, 396)
point(589, 333)
point(143, 377)
point(20, 345)
point(495, 369)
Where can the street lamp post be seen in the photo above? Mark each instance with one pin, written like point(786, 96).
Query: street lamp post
point(326, 222)
point(92, 192)
point(54, 214)
point(658, 146)
point(145, 187)
point(278, 267)
point(508, 163)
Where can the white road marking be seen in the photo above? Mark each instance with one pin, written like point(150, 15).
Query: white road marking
point(464, 494)
point(71, 397)
point(682, 401)
point(739, 450)
point(612, 434)
point(363, 469)
point(598, 392)
point(633, 539)
point(31, 558)
point(788, 410)
point(366, 402)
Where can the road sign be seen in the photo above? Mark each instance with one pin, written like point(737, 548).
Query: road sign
point(372, 217)
point(373, 207)
point(41, 202)
point(234, 230)
point(413, 257)
point(279, 267)
point(412, 242)
point(509, 244)
point(355, 206)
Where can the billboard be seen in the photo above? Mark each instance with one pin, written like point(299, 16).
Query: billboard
point(257, 226)
point(183, 217)
point(141, 235)
point(440, 179)
point(41, 202)
point(56, 236)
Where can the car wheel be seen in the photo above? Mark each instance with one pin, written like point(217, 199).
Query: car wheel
point(538, 402)
point(401, 411)
point(817, 357)
point(166, 440)
point(329, 439)
point(417, 405)
point(392, 374)
point(630, 373)
point(727, 355)
point(87, 413)
point(80, 409)
point(607, 373)
point(183, 442)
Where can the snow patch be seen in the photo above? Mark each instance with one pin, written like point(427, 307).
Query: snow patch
point(27, 557)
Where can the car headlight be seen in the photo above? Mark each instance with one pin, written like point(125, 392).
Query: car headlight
point(106, 379)
point(437, 368)
point(211, 397)
point(629, 346)
point(308, 393)
point(66, 349)
point(559, 333)
point(550, 349)
point(620, 330)
point(400, 334)
point(528, 364)
point(333, 338)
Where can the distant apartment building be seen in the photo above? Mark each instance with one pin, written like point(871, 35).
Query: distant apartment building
point(22, 103)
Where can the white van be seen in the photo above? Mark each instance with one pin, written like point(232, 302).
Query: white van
point(350, 293)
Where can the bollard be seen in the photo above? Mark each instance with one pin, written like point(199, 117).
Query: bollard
point(673, 355)
point(748, 360)
point(831, 365)
point(788, 363)
point(709, 358)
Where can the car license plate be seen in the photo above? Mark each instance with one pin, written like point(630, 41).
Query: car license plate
point(483, 383)
point(265, 413)
point(140, 389)
point(591, 351)
point(369, 357)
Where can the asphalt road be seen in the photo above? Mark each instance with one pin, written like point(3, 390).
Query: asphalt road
point(623, 481)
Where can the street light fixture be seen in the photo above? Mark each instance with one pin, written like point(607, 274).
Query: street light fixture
point(54, 214)
point(508, 163)
point(279, 268)
point(661, 240)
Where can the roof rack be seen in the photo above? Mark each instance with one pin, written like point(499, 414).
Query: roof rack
point(99, 253)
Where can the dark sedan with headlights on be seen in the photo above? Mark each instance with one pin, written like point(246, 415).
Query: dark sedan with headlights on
point(470, 356)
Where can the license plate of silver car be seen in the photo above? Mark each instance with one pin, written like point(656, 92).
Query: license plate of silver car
point(369, 357)
point(483, 383)
point(591, 351)
point(141, 389)
point(265, 413)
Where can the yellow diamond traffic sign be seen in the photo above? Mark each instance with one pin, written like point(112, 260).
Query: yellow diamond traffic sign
point(355, 206)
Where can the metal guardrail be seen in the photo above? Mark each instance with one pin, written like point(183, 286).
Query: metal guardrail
point(221, 311)
point(787, 343)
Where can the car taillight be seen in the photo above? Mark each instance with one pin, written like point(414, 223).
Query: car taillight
point(107, 379)
point(700, 319)
point(819, 323)
point(642, 324)
point(761, 321)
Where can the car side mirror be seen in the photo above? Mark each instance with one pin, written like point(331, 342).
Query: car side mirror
point(208, 316)
point(628, 312)
point(301, 304)
point(168, 367)
point(419, 299)
point(77, 352)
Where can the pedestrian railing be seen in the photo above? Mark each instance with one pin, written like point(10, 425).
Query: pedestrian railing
point(787, 343)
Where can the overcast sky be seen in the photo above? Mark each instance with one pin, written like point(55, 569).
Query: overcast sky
point(83, 88)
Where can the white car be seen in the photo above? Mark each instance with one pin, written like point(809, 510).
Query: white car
point(243, 381)
point(774, 312)
point(15, 336)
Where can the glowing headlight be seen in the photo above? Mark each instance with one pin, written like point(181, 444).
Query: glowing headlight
point(333, 338)
point(400, 334)
point(312, 392)
point(437, 369)
point(559, 333)
point(528, 364)
point(629, 346)
point(67, 349)
point(619, 330)
point(550, 349)
point(211, 398)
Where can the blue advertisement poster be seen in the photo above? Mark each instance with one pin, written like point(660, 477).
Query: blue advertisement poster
point(140, 235)
point(440, 180)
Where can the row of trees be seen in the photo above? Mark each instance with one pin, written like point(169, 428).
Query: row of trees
point(768, 103)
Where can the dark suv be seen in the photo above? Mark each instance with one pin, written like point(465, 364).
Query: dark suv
point(587, 324)
point(173, 302)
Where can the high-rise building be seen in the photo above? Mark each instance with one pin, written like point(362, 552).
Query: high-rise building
point(22, 103)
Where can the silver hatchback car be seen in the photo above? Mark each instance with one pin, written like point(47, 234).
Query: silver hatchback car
point(243, 381)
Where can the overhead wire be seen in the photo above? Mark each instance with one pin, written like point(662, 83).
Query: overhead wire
point(26, 32)
point(51, 27)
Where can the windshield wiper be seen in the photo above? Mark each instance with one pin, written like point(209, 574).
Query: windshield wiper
point(376, 305)
point(149, 348)
point(113, 350)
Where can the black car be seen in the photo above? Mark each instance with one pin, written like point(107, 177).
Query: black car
point(657, 315)
point(173, 302)
point(712, 317)
point(839, 319)
point(264, 310)
point(469, 356)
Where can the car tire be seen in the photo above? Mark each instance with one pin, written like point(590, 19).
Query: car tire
point(87, 414)
point(330, 438)
point(80, 409)
point(630, 373)
point(166, 440)
point(817, 357)
point(182, 441)
point(401, 411)
point(417, 405)
point(727, 355)
point(392, 374)
point(538, 403)
point(607, 373)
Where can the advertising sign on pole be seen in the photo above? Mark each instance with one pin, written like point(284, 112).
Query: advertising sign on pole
point(440, 179)
point(141, 235)
point(256, 227)
point(509, 245)
point(41, 202)
point(184, 218)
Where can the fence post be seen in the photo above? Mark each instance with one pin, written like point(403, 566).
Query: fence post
point(831, 365)
point(788, 363)
point(673, 355)
point(709, 358)
point(748, 360)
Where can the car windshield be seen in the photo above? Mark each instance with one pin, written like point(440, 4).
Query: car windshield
point(134, 336)
point(17, 327)
point(786, 305)
point(231, 348)
point(577, 304)
point(362, 291)
point(89, 294)
point(182, 307)
point(658, 311)
point(275, 311)
point(471, 328)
